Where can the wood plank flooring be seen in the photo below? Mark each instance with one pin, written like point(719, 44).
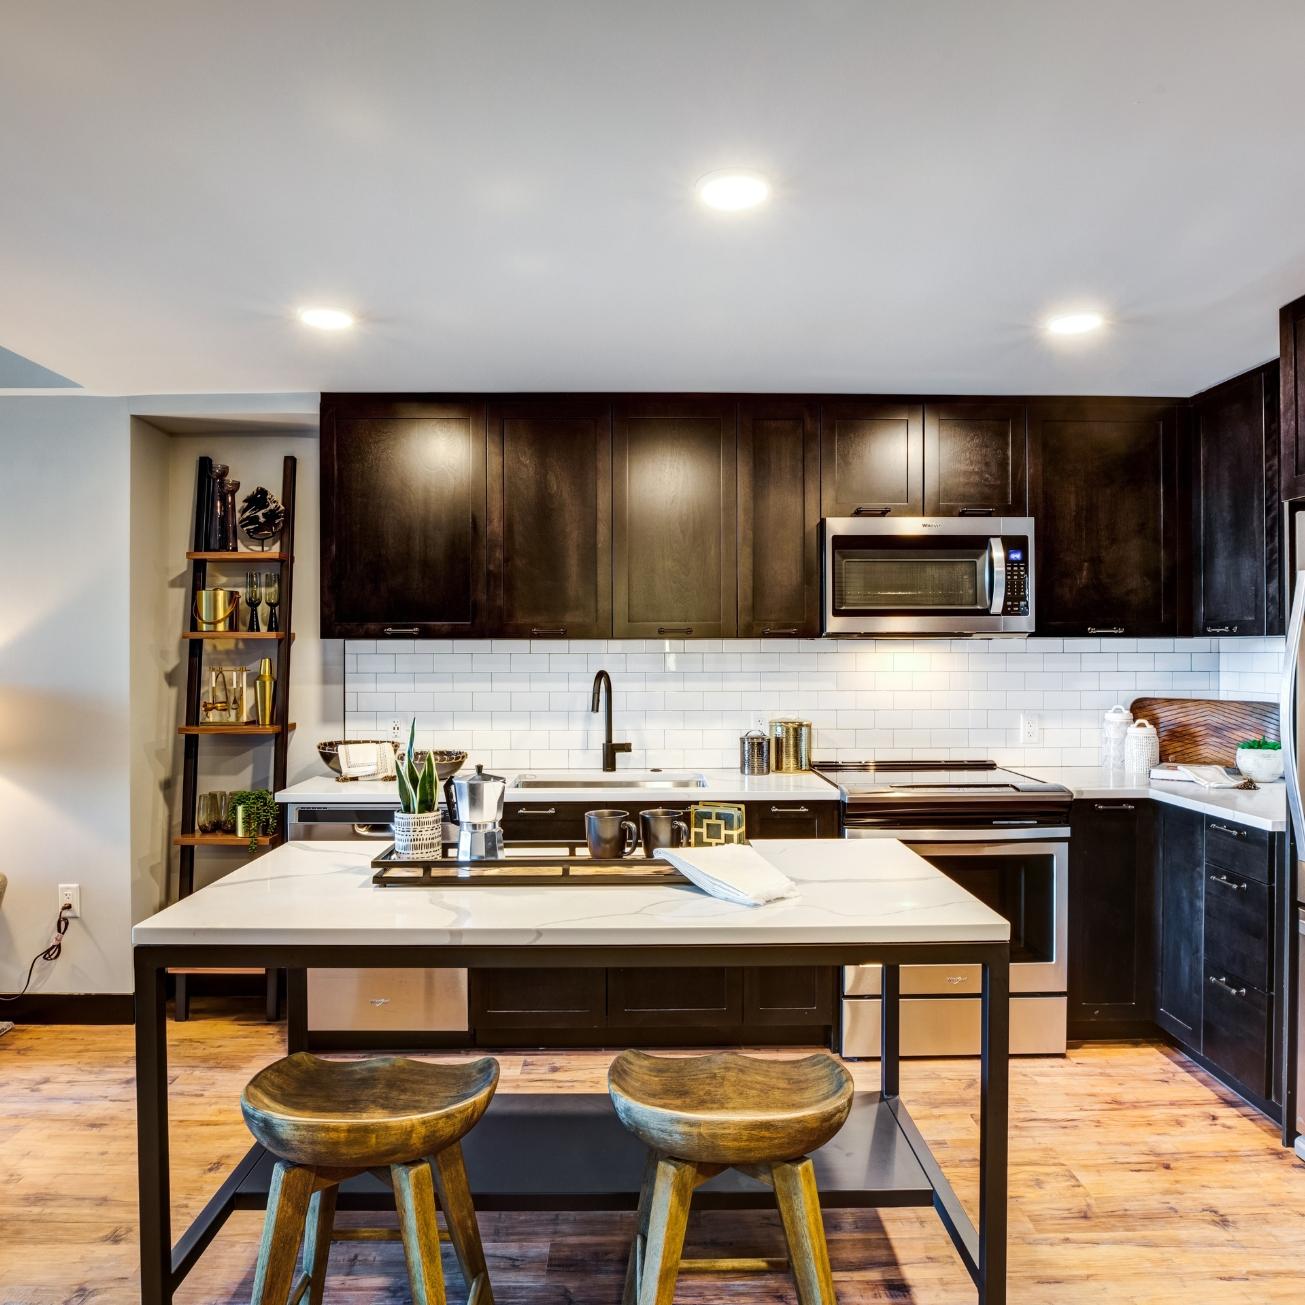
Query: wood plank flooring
point(1134, 1179)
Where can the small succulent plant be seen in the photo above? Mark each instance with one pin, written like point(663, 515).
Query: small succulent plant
point(1261, 744)
point(416, 783)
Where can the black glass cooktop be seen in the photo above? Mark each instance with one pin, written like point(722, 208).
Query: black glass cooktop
point(923, 779)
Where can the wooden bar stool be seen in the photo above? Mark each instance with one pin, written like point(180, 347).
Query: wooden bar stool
point(327, 1120)
point(699, 1115)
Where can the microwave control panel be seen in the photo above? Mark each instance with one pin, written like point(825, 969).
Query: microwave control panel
point(1017, 578)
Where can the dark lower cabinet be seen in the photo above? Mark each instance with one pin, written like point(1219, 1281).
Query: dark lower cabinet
point(563, 823)
point(790, 995)
point(793, 819)
point(528, 999)
point(1103, 489)
point(675, 998)
point(1111, 906)
point(1180, 908)
point(1235, 1034)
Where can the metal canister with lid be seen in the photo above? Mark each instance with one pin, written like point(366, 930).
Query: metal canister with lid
point(754, 752)
point(790, 746)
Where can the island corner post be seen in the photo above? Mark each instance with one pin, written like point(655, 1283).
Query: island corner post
point(982, 1248)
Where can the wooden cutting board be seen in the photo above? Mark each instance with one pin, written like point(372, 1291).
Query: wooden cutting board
point(1206, 731)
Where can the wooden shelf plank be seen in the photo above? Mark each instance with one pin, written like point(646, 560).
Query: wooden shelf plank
point(235, 634)
point(223, 840)
point(221, 555)
point(232, 729)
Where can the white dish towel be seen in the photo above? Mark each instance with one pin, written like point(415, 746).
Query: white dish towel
point(733, 872)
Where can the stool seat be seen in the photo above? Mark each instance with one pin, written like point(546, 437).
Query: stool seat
point(730, 1109)
point(346, 1114)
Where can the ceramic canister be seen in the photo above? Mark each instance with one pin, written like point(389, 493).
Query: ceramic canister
point(1141, 748)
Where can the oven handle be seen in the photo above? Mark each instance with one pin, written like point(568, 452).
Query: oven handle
point(997, 552)
point(984, 834)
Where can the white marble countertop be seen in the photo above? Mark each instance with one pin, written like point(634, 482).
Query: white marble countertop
point(321, 893)
point(721, 786)
point(1262, 808)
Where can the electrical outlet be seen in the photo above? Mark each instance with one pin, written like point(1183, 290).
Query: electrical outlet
point(1030, 727)
point(71, 895)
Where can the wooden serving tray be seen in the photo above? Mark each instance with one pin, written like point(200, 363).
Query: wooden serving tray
point(521, 872)
point(1206, 731)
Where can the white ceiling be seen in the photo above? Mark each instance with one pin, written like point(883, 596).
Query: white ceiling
point(503, 191)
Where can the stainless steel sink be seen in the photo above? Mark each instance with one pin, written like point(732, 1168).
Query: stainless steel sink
point(650, 779)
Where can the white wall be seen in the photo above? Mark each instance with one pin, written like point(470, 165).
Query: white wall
point(516, 703)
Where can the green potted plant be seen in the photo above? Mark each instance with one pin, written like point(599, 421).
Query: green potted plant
point(252, 812)
point(1260, 759)
point(417, 825)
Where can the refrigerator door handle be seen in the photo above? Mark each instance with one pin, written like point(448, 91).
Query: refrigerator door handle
point(1287, 713)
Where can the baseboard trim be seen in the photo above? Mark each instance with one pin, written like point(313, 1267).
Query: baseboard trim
point(71, 1008)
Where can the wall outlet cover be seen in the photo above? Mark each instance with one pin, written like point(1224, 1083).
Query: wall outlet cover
point(1030, 727)
point(71, 895)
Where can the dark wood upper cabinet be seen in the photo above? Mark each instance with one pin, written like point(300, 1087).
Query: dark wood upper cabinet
point(1291, 323)
point(1103, 477)
point(403, 516)
point(1235, 514)
point(871, 457)
point(674, 515)
point(976, 455)
point(779, 517)
point(550, 517)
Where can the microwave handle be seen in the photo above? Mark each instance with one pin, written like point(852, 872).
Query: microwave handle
point(997, 552)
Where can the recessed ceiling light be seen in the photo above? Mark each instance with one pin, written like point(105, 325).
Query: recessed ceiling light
point(326, 319)
point(732, 191)
point(1075, 323)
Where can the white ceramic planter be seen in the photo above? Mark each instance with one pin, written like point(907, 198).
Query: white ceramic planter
point(417, 836)
point(1261, 764)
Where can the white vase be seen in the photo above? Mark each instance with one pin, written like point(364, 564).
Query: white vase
point(417, 837)
point(1262, 764)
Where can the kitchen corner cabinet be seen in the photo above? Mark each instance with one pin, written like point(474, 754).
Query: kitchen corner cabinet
point(1103, 486)
point(976, 458)
point(403, 516)
point(549, 517)
point(779, 517)
point(1291, 339)
point(1235, 512)
point(674, 517)
point(1180, 912)
point(871, 457)
point(1111, 967)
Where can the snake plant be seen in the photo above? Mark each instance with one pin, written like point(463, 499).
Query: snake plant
point(416, 783)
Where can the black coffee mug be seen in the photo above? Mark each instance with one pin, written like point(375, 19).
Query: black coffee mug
point(662, 827)
point(610, 834)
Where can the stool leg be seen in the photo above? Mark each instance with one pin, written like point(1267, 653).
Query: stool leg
point(460, 1217)
point(414, 1197)
point(634, 1267)
point(668, 1216)
point(804, 1230)
point(287, 1204)
point(317, 1241)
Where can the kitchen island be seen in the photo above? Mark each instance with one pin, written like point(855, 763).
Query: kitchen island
point(313, 904)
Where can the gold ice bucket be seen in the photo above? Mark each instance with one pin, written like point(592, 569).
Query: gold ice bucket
point(215, 609)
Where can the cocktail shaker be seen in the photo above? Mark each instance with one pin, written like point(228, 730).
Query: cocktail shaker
point(264, 691)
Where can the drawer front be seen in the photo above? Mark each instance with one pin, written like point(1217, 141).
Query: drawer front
point(675, 997)
point(1238, 925)
point(792, 818)
point(538, 999)
point(1238, 847)
point(939, 1027)
point(547, 822)
point(1236, 1029)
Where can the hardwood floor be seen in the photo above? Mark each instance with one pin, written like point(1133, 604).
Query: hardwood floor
point(1134, 1178)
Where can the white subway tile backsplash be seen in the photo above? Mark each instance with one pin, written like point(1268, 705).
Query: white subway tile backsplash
point(518, 703)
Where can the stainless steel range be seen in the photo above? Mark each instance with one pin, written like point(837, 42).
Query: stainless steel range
point(1005, 837)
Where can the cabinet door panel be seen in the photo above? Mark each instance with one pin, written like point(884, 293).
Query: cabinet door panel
point(793, 818)
point(403, 510)
point(1103, 488)
point(1235, 529)
point(871, 457)
point(676, 997)
point(674, 516)
point(537, 998)
point(550, 518)
point(779, 517)
point(1180, 912)
point(789, 994)
point(1236, 1028)
point(976, 457)
point(1292, 401)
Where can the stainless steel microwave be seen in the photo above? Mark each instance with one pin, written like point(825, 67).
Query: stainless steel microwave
point(927, 576)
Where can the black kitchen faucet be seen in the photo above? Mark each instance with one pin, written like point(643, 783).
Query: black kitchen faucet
point(610, 749)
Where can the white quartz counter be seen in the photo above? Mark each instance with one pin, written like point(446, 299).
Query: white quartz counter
point(321, 893)
point(1262, 808)
point(721, 786)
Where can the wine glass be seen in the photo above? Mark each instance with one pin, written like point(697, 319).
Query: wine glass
point(272, 596)
point(252, 598)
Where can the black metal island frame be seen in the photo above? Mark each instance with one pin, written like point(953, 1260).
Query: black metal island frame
point(859, 903)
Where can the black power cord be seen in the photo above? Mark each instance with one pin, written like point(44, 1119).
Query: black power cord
point(51, 953)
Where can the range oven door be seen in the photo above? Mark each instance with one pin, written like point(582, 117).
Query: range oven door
point(926, 575)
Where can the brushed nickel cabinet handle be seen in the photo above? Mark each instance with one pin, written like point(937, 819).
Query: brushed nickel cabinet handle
point(1221, 629)
point(1229, 883)
point(401, 629)
point(1115, 806)
point(790, 811)
point(780, 629)
point(675, 629)
point(535, 811)
point(1105, 629)
point(1228, 829)
point(1227, 987)
point(547, 631)
point(864, 511)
